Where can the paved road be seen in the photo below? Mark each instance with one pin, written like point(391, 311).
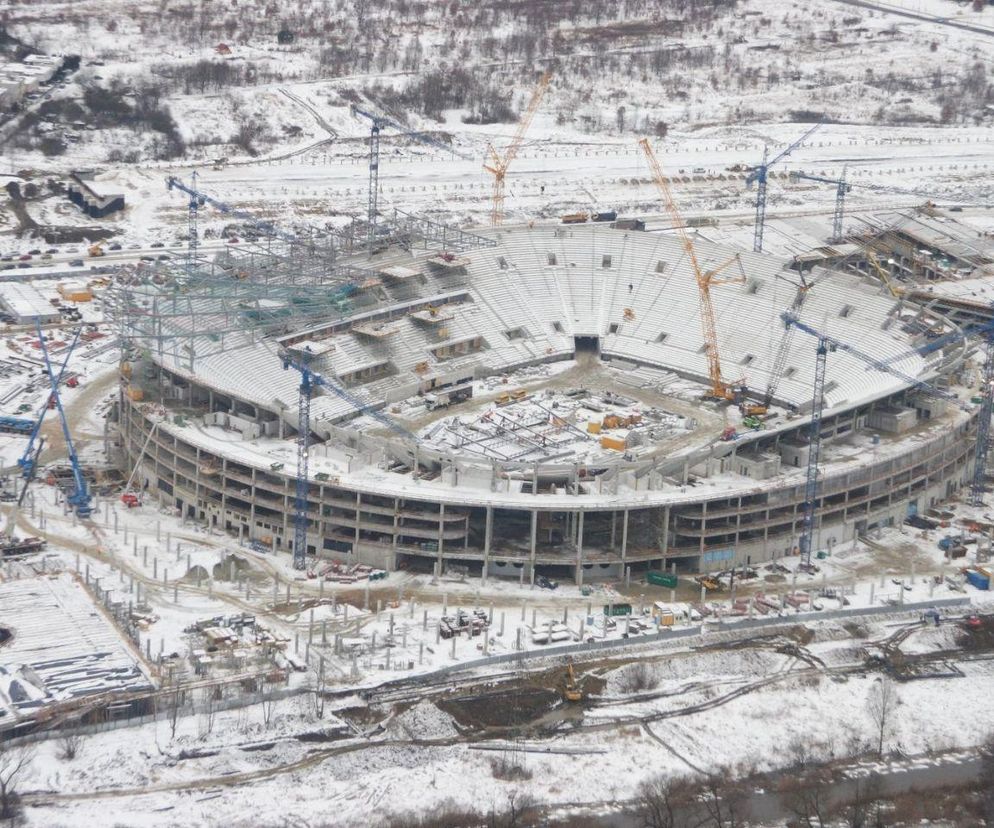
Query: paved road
point(886, 8)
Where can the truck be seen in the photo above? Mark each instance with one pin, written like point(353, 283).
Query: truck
point(444, 397)
point(575, 218)
point(663, 579)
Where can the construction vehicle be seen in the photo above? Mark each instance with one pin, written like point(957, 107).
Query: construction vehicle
point(705, 280)
point(131, 500)
point(572, 693)
point(95, 251)
point(442, 398)
point(499, 164)
point(575, 218)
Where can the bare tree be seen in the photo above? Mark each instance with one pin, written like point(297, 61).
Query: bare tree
point(209, 712)
point(267, 702)
point(70, 744)
point(808, 797)
point(668, 802)
point(725, 799)
point(14, 762)
point(516, 813)
point(857, 810)
point(881, 705)
point(987, 780)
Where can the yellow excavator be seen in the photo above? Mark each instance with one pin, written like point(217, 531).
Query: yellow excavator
point(572, 693)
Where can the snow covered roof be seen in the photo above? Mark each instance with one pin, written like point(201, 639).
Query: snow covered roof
point(62, 647)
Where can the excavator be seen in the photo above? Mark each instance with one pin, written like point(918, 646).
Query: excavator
point(572, 693)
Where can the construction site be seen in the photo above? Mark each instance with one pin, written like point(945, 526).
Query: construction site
point(685, 457)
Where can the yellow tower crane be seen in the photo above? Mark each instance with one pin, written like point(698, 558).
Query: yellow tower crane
point(498, 165)
point(705, 279)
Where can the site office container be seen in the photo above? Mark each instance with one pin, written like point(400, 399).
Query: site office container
point(617, 609)
point(663, 579)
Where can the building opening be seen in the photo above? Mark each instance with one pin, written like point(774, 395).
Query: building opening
point(587, 344)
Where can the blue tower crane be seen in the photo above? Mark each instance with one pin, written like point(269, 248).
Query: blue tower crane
point(198, 199)
point(842, 187)
point(309, 380)
point(827, 343)
point(29, 459)
point(759, 176)
point(80, 498)
point(377, 123)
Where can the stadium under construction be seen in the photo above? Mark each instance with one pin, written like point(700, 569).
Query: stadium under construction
point(552, 399)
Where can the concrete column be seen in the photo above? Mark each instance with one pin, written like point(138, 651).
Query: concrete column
point(534, 544)
point(396, 524)
point(624, 536)
point(614, 527)
point(487, 538)
point(355, 542)
point(441, 535)
point(579, 549)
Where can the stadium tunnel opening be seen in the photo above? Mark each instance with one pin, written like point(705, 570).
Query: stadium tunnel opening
point(587, 345)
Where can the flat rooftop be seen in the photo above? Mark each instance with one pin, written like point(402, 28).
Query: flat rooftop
point(62, 648)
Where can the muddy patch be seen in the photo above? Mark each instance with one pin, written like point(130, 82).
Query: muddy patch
point(501, 709)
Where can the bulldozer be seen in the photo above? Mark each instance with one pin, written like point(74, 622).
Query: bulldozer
point(572, 693)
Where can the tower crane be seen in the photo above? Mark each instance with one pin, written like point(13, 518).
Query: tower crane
point(826, 344)
point(842, 187)
point(80, 498)
point(498, 164)
point(198, 199)
point(377, 123)
point(759, 176)
point(706, 279)
point(28, 459)
point(780, 359)
point(309, 380)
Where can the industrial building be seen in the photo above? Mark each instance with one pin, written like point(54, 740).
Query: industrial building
point(92, 196)
point(23, 303)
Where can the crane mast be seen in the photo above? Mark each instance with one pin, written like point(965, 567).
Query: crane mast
point(705, 279)
point(499, 164)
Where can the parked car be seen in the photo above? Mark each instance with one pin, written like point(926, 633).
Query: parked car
point(76, 263)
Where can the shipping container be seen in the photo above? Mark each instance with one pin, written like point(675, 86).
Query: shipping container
point(612, 443)
point(629, 224)
point(610, 215)
point(617, 609)
point(663, 579)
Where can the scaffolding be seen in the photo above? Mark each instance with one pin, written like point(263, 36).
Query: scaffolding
point(203, 305)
